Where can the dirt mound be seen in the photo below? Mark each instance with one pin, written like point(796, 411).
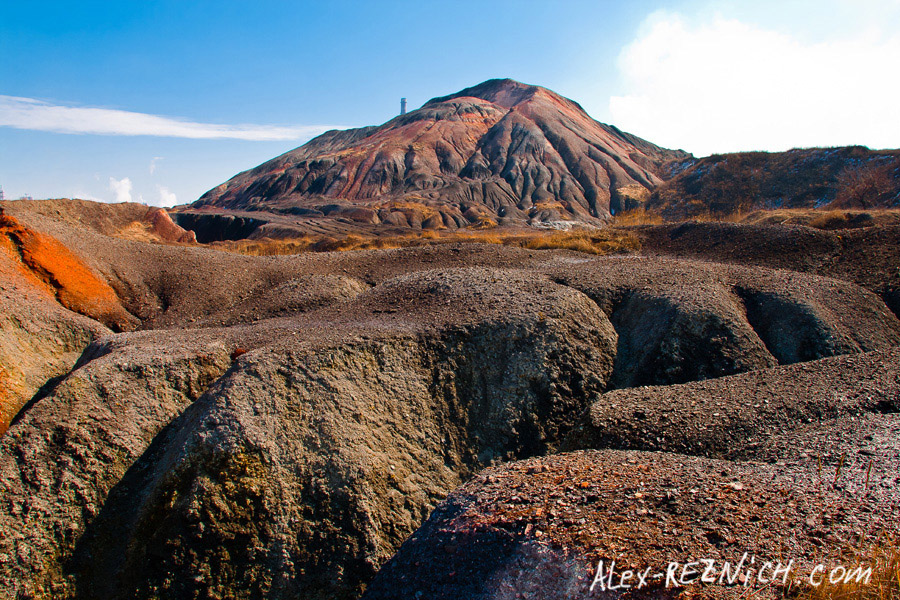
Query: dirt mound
point(824, 219)
point(127, 220)
point(681, 320)
point(867, 257)
point(730, 416)
point(39, 339)
point(96, 422)
point(297, 441)
point(827, 431)
point(285, 422)
point(540, 527)
point(495, 153)
point(158, 225)
point(50, 264)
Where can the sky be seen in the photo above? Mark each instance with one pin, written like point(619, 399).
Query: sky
point(157, 102)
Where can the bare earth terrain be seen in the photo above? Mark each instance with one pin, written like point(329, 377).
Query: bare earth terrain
point(472, 353)
point(206, 424)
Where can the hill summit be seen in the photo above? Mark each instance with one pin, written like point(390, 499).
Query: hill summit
point(501, 151)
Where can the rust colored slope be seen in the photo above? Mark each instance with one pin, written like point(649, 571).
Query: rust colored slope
point(8, 404)
point(39, 338)
point(53, 267)
point(502, 148)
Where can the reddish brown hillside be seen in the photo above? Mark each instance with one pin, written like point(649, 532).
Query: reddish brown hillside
point(128, 220)
point(47, 264)
point(724, 184)
point(498, 151)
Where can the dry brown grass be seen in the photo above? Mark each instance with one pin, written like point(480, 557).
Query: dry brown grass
point(884, 583)
point(825, 219)
point(270, 247)
point(549, 205)
point(590, 241)
point(637, 216)
point(484, 222)
point(737, 216)
point(830, 219)
point(410, 205)
point(601, 241)
point(811, 217)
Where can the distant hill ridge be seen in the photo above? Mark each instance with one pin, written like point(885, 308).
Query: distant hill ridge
point(829, 178)
point(507, 153)
point(501, 151)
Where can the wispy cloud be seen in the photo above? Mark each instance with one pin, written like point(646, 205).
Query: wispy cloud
point(166, 198)
point(153, 162)
point(721, 85)
point(121, 188)
point(29, 113)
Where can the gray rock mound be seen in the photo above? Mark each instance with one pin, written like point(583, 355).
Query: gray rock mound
point(312, 457)
point(540, 527)
point(729, 416)
point(284, 423)
point(681, 321)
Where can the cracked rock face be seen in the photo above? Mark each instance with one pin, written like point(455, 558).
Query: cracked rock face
point(64, 454)
point(680, 322)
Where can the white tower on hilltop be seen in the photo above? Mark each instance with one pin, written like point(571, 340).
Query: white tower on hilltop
point(402, 106)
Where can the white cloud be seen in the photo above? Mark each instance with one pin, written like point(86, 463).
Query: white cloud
point(28, 113)
point(166, 198)
point(153, 162)
point(122, 188)
point(722, 85)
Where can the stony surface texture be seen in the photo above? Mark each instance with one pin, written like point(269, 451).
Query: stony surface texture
point(681, 321)
point(62, 455)
point(44, 262)
point(39, 338)
point(730, 416)
point(499, 151)
point(812, 477)
point(324, 454)
point(867, 257)
point(280, 425)
point(538, 528)
point(39, 341)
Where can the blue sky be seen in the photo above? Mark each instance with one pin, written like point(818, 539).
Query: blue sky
point(160, 101)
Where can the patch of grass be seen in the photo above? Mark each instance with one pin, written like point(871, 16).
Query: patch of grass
point(591, 241)
point(548, 205)
point(637, 216)
point(601, 241)
point(884, 583)
point(410, 205)
point(707, 216)
point(825, 219)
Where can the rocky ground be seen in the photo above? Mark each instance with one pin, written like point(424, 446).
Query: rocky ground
point(227, 426)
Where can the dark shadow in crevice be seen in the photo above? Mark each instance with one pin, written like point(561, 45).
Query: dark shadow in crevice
point(791, 331)
point(891, 297)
